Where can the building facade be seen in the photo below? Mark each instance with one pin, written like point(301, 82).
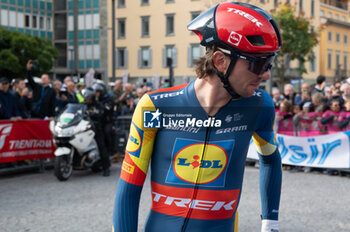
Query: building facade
point(78, 29)
point(32, 17)
point(148, 32)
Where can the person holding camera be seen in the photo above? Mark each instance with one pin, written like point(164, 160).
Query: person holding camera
point(44, 97)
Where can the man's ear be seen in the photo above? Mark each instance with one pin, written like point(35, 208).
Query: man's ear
point(220, 61)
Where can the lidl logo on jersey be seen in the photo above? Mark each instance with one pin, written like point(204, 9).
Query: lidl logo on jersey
point(194, 162)
point(135, 140)
point(152, 119)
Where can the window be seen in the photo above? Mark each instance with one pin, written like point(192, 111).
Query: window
point(121, 3)
point(275, 3)
point(34, 22)
point(41, 22)
point(195, 14)
point(329, 59)
point(121, 58)
point(300, 5)
point(329, 36)
point(329, 15)
point(48, 23)
point(145, 26)
point(345, 39)
point(336, 17)
point(169, 55)
point(345, 63)
point(337, 59)
point(194, 53)
point(321, 13)
point(27, 21)
point(144, 2)
point(312, 29)
point(312, 8)
point(145, 57)
point(337, 37)
point(121, 28)
point(262, 1)
point(170, 24)
point(343, 19)
point(313, 62)
point(169, 1)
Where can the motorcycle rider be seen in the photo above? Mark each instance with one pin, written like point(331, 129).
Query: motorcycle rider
point(107, 124)
point(95, 111)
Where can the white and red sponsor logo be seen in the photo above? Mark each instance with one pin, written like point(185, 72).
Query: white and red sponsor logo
point(5, 130)
point(204, 204)
point(234, 38)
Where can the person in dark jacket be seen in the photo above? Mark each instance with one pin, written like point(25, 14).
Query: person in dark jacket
point(44, 97)
point(8, 106)
point(95, 111)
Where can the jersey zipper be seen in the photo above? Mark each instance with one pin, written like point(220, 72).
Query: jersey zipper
point(196, 186)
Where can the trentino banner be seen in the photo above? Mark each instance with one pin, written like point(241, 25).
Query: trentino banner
point(26, 139)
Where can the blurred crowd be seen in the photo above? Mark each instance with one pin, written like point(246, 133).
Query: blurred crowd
point(322, 108)
point(27, 99)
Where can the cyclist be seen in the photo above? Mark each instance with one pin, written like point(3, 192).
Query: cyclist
point(197, 135)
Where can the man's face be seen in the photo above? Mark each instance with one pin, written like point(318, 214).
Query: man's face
point(243, 81)
point(45, 80)
point(5, 87)
point(21, 85)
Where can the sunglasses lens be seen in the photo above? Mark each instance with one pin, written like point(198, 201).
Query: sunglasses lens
point(261, 65)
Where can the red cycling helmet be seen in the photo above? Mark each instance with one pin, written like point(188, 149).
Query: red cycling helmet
point(239, 27)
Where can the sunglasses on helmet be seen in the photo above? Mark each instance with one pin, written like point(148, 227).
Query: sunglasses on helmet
point(257, 64)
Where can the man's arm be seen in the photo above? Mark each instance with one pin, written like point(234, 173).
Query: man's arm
point(270, 166)
point(134, 169)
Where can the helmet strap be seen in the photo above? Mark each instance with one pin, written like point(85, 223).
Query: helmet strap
point(224, 78)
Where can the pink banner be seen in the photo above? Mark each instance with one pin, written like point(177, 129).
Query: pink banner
point(25, 140)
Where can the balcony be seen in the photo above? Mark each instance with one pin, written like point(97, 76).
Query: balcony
point(341, 4)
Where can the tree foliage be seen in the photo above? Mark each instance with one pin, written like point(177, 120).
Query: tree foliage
point(297, 39)
point(16, 49)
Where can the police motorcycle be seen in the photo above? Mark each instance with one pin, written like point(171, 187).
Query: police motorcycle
point(73, 135)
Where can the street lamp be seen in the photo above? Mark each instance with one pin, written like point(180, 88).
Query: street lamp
point(113, 40)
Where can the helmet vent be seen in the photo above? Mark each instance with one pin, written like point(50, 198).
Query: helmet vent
point(256, 40)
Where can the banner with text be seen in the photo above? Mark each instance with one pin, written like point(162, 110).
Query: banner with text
point(27, 139)
point(326, 151)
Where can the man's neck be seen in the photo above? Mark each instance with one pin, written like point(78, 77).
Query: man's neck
point(211, 94)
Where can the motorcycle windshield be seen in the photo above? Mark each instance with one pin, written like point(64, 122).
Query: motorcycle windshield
point(71, 115)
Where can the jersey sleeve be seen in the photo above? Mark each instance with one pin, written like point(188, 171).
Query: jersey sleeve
point(134, 169)
point(269, 160)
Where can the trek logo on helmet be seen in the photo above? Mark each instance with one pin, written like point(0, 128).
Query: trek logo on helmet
point(234, 38)
point(246, 15)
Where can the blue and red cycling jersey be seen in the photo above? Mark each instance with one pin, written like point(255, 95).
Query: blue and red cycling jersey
point(197, 161)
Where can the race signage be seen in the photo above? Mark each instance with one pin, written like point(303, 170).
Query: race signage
point(27, 139)
point(326, 151)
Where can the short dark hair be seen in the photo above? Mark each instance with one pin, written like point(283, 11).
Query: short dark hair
point(320, 79)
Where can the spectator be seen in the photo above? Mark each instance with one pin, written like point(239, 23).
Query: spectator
point(80, 87)
point(336, 95)
point(318, 103)
point(289, 93)
point(117, 96)
point(344, 117)
point(345, 90)
point(139, 93)
point(277, 98)
point(8, 106)
point(330, 118)
point(305, 95)
point(57, 85)
point(21, 96)
point(304, 121)
point(328, 94)
point(284, 119)
point(129, 107)
point(71, 94)
point(320, 85)
point(44, 97)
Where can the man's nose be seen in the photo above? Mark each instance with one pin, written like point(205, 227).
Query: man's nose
point(266, 75)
